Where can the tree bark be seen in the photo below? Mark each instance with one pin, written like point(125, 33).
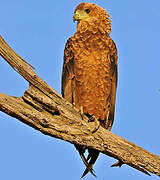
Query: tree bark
point(44, 109)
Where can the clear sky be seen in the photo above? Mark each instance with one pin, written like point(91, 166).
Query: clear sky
point(37, 30)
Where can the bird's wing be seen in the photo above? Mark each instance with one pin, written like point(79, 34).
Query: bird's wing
point(68, 88)
point(114, 77)
point(68, 77)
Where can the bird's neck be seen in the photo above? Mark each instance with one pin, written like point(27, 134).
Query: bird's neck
point(94, 26)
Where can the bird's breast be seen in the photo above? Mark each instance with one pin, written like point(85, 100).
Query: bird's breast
point(92, 78)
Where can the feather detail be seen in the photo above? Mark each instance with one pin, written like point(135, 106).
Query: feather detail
point(89, 76)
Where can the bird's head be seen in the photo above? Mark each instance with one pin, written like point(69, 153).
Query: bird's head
point(93, 15)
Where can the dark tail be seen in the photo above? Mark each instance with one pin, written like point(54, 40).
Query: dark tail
point(92, 156)
point(81, 151)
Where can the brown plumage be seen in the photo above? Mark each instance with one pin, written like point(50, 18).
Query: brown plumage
point(89, 77)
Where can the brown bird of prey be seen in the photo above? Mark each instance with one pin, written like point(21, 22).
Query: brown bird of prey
point(89, 77)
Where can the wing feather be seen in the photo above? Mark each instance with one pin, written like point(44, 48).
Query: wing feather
point(114, 76)
point(68, 76)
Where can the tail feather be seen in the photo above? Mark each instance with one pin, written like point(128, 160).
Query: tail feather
point(89, 156)
point(81, 153)
point(93, 155)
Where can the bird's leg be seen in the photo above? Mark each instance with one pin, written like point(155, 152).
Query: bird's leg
point(81, 112)
point(91, 118)
point(97, 123)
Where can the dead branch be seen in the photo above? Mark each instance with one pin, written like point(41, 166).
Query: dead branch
point(45, 110)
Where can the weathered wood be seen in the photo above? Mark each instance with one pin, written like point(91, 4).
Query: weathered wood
point(45, 110)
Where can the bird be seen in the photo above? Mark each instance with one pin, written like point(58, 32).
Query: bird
point(89, 73)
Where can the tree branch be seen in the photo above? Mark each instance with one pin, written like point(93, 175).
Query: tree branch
point(45, 110)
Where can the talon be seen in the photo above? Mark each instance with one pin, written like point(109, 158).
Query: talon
point(91, 119)
point(97, 124)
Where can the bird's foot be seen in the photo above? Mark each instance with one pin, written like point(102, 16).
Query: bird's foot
point(91, 119)
point(97, 123)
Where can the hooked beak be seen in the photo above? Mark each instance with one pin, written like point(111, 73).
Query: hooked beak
point(80, 15)
point(76, 17)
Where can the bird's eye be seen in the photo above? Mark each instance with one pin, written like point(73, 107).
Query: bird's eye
point(87, 11)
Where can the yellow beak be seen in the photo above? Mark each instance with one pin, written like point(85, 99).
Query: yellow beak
point(78, 15)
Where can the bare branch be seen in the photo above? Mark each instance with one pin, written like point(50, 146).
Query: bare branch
point(45, 110)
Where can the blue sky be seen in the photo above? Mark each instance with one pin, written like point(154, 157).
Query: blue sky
point(37, 30)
